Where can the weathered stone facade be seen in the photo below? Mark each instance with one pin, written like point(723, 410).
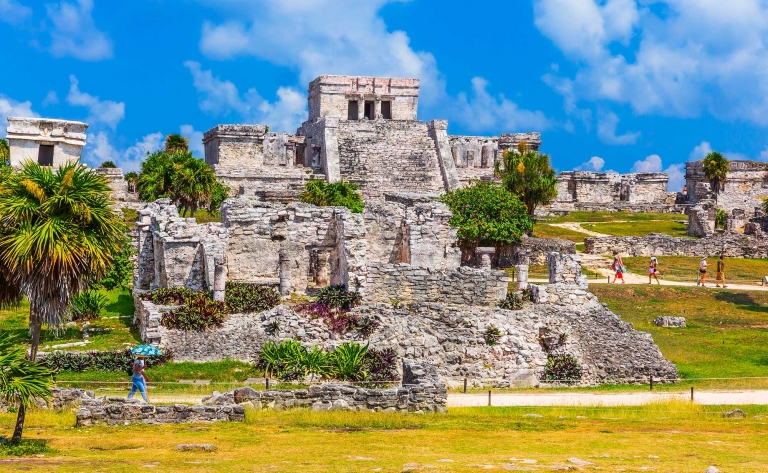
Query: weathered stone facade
point(745, 186)
point(729, 244)
point(45, 141)
point(359, 129)
point(595, 191)
point(121, 411)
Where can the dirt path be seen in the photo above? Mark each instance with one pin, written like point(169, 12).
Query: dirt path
point(626, 399)
point(576, 227)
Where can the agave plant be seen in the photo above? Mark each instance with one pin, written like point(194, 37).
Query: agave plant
point(348, 361)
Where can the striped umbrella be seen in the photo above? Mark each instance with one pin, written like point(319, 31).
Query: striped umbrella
point(146, 350)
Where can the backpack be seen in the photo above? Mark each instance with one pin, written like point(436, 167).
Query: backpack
point(130, 370)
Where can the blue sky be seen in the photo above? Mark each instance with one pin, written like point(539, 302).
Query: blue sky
point(624, 85)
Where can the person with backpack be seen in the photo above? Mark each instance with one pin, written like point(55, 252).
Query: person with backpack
point(653, 270)
point(138, 378)
point(618, 267)
point(702, 271)
point(720, 278)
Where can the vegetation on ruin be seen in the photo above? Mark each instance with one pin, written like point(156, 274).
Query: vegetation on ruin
point(486, 214)
point(492, 335)
point(715, 169)
point(111, 360)
point(528, 175)
point(108, 165)
point(131, 179)
point(246, 298)
point(350, 361)
point(189, 182)
point(333, 305)
point(199, 313)
point(561, 368)
point(672, 436)
point(513, 301)
point(726, 331)
point(333, 194)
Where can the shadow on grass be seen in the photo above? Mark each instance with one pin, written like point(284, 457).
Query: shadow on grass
point(743, 300)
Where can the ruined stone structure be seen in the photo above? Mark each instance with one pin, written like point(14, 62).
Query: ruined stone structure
point(359, 129)
point(745, 187)
point(45, 141)
point(401, 255)
point(595, 191)
point(729, 244)
point(122, 411)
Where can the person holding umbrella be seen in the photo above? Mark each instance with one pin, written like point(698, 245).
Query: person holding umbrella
point(138, 377)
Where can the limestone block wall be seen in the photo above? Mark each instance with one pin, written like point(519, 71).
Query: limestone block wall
point(732, 245)
point(745, 187)
point(120, 193)
point(412, 284)
point(474, 156)
point(329, 95)
point(121, 411)
point(388, 156)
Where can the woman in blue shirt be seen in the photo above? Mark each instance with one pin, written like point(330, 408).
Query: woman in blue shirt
point(139, 379)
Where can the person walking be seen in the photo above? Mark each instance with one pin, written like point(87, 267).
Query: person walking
point(702, 271)
point(139, 378)
point(618, 267)
point(720, 277)
point(653, 270)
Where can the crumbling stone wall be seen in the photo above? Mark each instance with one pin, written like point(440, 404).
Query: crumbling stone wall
point(745, 187)
point(730, 244)
point(121, 411)
point(590, 191)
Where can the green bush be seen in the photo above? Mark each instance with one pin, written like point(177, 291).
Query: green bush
point(562, 368)
point(338, 297)
point(87, 305)
point(120, 273)
point(348, 361)
point(199, 313)
point(333, 194)
point(720, 218)
point(168, 295)
point(246, 298)
point(108, 164)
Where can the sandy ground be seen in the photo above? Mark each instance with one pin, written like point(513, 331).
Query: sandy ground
point(576, 226)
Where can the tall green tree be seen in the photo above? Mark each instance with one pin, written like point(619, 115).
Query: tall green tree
point(176, 143)
point(715, 169)
point(485, 213)
point(57, 234)
point(189, 182)
point(5, 153)
point(528, 175)
point(21, 381)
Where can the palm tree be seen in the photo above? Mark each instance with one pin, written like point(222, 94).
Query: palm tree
point(156, 176)
point(193, 184)
point(175, 143)
point(528, 175)
point(5, 153)
point(21, 381)
point(57, 233)
point(715, 169)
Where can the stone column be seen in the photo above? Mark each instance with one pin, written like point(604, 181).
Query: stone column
point(322, 270)
point(377, 108)
point(285, 273)
point(360, 109)
point(522, 272)
point(219, 277)
point(483, 254)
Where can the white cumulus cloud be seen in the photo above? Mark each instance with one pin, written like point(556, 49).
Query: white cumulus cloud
point(676, 174)
point(104, 112)
point(595, 163)
point(195, 140)
point(701, 150)
point(606, 131)
point(13, 12)
point(99, 149)
point(12, 108)
point(74, 32)
point(651, 163)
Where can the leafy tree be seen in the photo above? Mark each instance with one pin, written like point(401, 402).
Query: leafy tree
point(528, 175)
point(5, 153)
point(487, 214)
point(175, 143)
point(189, 182)
point(108, 164)
point(21, 381)
point(715, 169)
point(120, 272)
point(333, 194)
point(131, 179)
point(57, 234)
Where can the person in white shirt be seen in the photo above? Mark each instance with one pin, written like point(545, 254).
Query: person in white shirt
point(702, 271)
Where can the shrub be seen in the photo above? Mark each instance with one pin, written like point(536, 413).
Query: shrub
point(168, 295)
point(513, 301)
point(289, 360)
point(720, 218)
point(347, 361)
point(199, 313)
point(108, 164)
point(246, 298)
point(338, 297)
point(120, 273)
point(562, 368)
point(87, 305)
point(339, 320)
point(118, 360)
point(492, 335)
point(380, 365)
point(336, 194)
point(527, 294)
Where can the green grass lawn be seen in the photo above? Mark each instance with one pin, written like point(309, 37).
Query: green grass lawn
point(543, 230)
point(203, 216)
point(670, 437)
point(727, 332)
point(617, 216)
point(686, 268)
point(639, 228)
